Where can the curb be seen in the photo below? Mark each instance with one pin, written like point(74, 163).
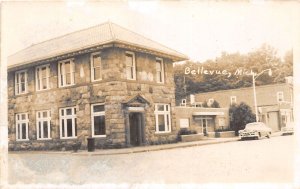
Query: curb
point(154, 148)
point(100, 152)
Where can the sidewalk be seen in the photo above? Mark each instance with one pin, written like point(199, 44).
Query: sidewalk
point(155, 147)
point(139, 149)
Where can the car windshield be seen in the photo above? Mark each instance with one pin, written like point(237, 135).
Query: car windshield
point(253, 125)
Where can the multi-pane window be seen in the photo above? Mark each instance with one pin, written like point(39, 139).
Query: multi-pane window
point(98, 120)
point(162, 118)
point(43, 119)
point(22, 126)
point(21, 82)
point(280, 96)
point(96, 66)
point(232, 100)
point(42, 74)
point(159, 70)
point(66, 72)
point(68, 126)
point(207, 123)
point(130, 66)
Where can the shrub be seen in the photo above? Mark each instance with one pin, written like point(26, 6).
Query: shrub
point(240, 115)
point(221, 130)
point(186, 132)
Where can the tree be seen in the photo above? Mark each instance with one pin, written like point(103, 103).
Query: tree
point(215, 104)
point(257, 60)
point(240, 115)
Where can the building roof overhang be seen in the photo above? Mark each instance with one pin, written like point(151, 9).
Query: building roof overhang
point(112, 36)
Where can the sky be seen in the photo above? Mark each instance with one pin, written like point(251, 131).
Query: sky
point(199, 29)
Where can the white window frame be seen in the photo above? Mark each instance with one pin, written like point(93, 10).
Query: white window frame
point(18, 83)
point(280, 94)
point(42, 119)
point(19, 123)
point(133, 66)
point(161, 72)
point(62, 73)
point(167, 117)
point(39, 85)
point(93, 68)
point(232, 100)
point(64, 118)
point(93, 114)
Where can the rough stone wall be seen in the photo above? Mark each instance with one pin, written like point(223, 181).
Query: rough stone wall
point(112, 90)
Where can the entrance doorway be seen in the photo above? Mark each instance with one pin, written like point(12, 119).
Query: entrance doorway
point(136, 127)
point(206, 123)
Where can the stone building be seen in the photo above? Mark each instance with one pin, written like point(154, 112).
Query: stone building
point(274, 102)
point(104, 82)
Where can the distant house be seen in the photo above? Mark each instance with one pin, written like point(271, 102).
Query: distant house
point(274, 102)
point(104, 82)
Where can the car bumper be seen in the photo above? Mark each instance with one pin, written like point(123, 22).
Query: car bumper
point(287, 131)
point(248, 135)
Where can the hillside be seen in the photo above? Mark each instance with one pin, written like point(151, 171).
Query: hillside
point(231, 71)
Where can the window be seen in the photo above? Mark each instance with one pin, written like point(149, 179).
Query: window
point(21, 82)
point(183, 102)
point(159, 70)
point(66, 72)
point(130, 66)
point(22, 127)
point(98, 120)
point(43, 124)
point(162, 118)
point(96, 67)
point(232, 100)
point(68, 127)
point(280, 96)
point(42, 74)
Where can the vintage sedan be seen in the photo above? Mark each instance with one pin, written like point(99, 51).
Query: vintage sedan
point(255, 130)
point(288, 129)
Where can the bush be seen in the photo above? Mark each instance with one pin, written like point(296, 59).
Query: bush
point(186, 132)
point(240, 115)
point(222, 130)
point(215, 104)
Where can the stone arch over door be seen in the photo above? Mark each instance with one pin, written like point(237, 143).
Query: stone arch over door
point(135, 116)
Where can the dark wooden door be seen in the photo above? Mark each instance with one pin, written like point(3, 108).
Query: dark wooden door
point(135, 129)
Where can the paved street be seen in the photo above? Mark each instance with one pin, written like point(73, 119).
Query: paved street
point(266, 160)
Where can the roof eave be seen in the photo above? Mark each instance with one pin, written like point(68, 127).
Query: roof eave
point(92, 48)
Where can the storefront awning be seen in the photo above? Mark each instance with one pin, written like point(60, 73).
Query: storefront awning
point(207, 113)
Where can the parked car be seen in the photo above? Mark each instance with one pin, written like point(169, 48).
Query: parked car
point(288, 129)
point(255, 130)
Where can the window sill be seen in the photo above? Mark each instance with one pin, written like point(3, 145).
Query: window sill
point(161, 133)
point(41, 139)
point(20, 94)
point(97, 80)
point(42, 90)
point(22, 140)
point(66, 138)
point(66, 86)
point(99, 136)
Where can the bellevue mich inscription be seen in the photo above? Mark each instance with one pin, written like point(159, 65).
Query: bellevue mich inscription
point(202, 71)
